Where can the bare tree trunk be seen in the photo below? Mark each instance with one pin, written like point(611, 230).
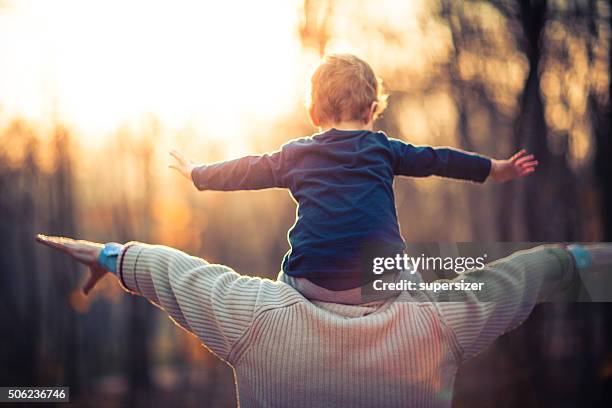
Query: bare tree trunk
point(531, 126)
point(550, 207)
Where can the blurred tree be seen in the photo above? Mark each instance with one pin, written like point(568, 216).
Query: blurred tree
point(546, 216)
point(19, 345)
point(468, 40)
point(601, 112)
point(314, 28)
point(551, 209)
point(132, 220)
point(62, 220)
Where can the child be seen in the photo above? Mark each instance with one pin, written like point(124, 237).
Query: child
point(342, 180)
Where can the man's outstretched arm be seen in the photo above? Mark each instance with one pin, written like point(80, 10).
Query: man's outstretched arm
point(511, 288)
point(211, 301)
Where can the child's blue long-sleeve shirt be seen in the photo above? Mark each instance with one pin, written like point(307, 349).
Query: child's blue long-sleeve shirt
point(343, 184)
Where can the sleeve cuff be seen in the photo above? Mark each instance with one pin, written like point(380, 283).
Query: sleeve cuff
point(481, 169)
point(126, 266)
point(569, 268)
point(468, 166)
point(196, 177)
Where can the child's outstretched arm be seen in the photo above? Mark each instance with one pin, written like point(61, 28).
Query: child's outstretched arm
point(424, 161)
point(245, 173)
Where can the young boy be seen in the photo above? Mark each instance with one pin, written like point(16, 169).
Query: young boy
point(342, 180)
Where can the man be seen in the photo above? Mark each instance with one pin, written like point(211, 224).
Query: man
point(399, 351)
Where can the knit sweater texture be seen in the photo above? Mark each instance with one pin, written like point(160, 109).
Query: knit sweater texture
point(287, 351)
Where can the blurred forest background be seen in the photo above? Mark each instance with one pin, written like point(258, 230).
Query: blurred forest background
point(488, 76)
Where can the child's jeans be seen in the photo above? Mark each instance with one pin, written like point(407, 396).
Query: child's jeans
point(354, 296)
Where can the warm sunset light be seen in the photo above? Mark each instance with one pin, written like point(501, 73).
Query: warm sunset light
point(332, 203)
point(100, 64)
point(219, 69)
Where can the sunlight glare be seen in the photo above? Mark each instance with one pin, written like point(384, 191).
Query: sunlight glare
point(96, 65)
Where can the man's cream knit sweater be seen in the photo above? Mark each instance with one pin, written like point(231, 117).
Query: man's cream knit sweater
point(287, 351)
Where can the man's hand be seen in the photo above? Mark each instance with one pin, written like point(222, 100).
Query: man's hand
point(182, 164)
point(84, 252)
point(519, 165)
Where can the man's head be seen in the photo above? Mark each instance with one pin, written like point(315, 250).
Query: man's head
point(344, 88)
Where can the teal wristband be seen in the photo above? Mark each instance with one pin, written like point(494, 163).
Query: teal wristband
point(108, 256)
point(582, 257)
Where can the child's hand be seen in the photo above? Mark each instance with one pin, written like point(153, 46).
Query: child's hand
point(182, 165)
point(519, 165)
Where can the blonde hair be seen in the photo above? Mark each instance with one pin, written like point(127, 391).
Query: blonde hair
point(343, 87)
